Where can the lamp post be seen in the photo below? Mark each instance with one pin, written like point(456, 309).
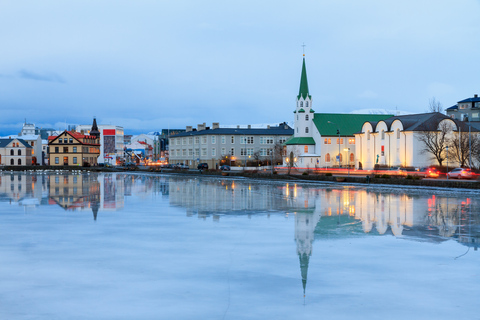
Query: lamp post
point(447, 161)
point(338, 132)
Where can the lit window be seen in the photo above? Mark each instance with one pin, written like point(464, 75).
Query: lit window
point(327, 157)
point(305, 149)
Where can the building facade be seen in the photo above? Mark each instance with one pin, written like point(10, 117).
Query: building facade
point(236, 146)
point(111, 142)
point(15, 152)
point(466, 110)
point(73, 149)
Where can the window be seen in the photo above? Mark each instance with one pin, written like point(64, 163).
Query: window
point(184, 141)
point(71, 140)
point(305, 149)
point(204, 151)
point(12, 162)
point(351, 141)
point(65, 149)
point(204, 140)
point(327, 157)
point(475, 115)
point(301, 104)
point(60, 140)
point(197, 153)
point(75, 161)
point(19, 152)
point(340, 141)
point(74, 149)
point(306, 105)
point(282, 139)
point(190, 140)
point(190, 152)
point(33, 143)
point(214, 152)
point(223, 151)
point(306, 117)
point(223, 139)
point(197, 140)
point(213, 139)
point(11, 152)
point(249, 151)
point(306, 129)
point(184, 152)
point(243, 151)
point(383, 135)
point(57, 160)
point(232, 139)
point(232, 151)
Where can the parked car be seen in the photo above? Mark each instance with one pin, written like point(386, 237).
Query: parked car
point(202, 166)
point(225, 167)
point(460, 173)
point(430, 172)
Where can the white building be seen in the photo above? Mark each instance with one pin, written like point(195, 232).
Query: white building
point(111, 142)
point(15, 152)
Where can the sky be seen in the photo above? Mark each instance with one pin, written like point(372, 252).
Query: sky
point(152, 65)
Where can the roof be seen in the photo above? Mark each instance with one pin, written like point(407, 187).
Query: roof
point(282, 129)
point(422, 122)
point(474, 99)
point(455, 107)
point(347, 123)
point(300, 141)
point(303, 91)
point(76, 135)
point(5, 142)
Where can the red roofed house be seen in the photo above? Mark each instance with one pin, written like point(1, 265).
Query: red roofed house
point(75, 149)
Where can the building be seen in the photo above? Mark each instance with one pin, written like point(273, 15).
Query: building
point(111, 142)
point(15, 152)
point(466, 110)
point(322, 139)
point(74, 148)
point(238, 145)
point(397, 141)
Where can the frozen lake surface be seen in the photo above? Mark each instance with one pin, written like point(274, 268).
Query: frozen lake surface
point(140, 246)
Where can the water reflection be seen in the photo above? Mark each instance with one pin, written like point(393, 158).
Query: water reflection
point(319, 213)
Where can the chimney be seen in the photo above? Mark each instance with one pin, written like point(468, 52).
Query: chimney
point(188, 129)
point(475, 96)
point(215, 125)
point(268, 126)
point(201, 127)
point(249, 126)
point(238, 126)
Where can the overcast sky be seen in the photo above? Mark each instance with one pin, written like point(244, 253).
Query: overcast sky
point(149, 65)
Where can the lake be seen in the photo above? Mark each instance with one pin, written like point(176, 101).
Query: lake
point(83, 245)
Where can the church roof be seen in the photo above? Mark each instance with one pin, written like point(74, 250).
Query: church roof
point(300, 141)
point(303, 91)
point(347, 123)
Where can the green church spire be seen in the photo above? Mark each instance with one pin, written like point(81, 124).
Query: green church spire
point(303, 92)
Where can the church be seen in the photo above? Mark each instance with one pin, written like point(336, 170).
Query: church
point(323, 140)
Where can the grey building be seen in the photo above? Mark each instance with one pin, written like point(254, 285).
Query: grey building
point(466, 110)
point(235, 146)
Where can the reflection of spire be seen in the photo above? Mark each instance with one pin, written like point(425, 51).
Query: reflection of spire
point(95, 207)
point(304, 258)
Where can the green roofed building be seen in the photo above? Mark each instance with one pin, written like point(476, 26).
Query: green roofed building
point(323, 139)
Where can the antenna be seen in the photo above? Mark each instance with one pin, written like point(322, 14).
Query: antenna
point(303, 48)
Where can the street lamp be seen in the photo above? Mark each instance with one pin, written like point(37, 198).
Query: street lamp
point(447, 161)
point(338, 132)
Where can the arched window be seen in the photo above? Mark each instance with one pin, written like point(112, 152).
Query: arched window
point(12, 162)
point(305, 149)
point(19, 162)
point(301, 104)
point(306, 129)
point(19, 152)
point(11, 152)
point(306, 117)
point(398, 133)
point(352, 157)
point(368, 135)
point(306, 104)
point(383, 134)
point(327, 157)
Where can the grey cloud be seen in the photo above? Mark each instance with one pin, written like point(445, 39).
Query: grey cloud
point(49, 77)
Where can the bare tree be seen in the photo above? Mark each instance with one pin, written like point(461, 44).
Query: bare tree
point(461, 145)
point(436, 141)
point(435, 106)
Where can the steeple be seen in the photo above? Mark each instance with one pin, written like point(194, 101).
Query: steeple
point(94, 132)
point(303, 91)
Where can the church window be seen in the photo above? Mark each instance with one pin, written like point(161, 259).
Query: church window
point(306, 117)
point(327, 157)
point(301, 104)
point(306, 129)
point(326, 141)
point(398, 133)
point(306, 104)
point(329, 141)
point(383, 134)
point(352, 157)
point(305, 149)
point(340, 141)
